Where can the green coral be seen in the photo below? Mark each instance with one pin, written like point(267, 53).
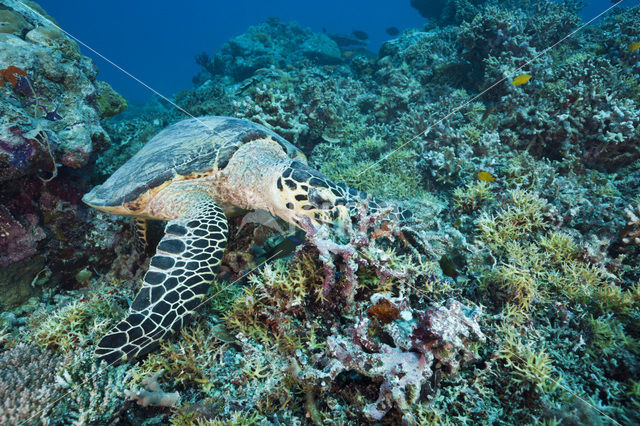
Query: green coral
point(75, 324)
point(470, 198)
point(110, 103)
point(366, 163)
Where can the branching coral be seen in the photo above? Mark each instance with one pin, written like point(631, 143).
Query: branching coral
point(73, 325)
point(472, 196)
point(152, 394)
point(93, 393)
point(531, 369)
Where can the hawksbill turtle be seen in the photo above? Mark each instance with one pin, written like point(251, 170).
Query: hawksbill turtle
point(194, 174)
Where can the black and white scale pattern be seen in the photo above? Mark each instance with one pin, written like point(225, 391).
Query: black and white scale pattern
point(178, 278)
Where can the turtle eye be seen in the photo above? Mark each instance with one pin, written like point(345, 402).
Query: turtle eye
point(320, 199)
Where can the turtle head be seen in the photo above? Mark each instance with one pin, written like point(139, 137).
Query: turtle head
point(303, 192)
point(100, 199)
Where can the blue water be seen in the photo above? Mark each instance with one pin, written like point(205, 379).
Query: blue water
point(157, 40)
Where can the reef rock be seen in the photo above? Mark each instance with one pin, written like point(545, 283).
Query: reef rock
point(49, 97)
point(272, 43)
point(51, 107)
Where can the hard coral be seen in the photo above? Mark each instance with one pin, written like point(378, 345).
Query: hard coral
point(28, 385)
point(367, 237)
point(42, 64)
point(632, 232)
point(18, 241)
point(93, 393)
point(272, 43)
point(152, 394)
point(442, 334)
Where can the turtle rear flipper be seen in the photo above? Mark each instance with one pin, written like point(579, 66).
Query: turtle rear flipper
point(179, 275)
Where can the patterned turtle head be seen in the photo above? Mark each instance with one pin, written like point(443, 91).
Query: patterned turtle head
point(303, 192)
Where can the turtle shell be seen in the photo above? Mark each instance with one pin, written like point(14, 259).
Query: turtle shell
point(198, 145)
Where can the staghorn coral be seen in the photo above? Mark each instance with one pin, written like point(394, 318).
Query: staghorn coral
point(472, 196)
point(75, 322)
point(93, 393)
point(152, 394)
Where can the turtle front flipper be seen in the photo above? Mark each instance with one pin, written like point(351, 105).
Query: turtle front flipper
point(179, 276)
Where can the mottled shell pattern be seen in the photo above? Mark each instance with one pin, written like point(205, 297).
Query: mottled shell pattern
point(190, 148)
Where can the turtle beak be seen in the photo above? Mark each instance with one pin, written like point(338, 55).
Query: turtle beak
point(90, 199)
point(97, 200)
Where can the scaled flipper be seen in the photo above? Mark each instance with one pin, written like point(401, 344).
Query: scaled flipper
point(179, 276)
point(140, 230)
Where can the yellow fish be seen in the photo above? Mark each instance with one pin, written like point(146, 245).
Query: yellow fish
point(486, 176)
point(633, 46)
point(521, 79)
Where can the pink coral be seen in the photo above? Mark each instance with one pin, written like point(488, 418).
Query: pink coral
point(419, 338)
point(17, 241)
point(362, 248)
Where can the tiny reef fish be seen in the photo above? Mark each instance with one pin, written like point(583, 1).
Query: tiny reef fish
point(392, 31)
point(521, 79)
point(486, 176)
point(633, 46)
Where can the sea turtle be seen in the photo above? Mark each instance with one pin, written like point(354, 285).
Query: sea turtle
point(193, 174)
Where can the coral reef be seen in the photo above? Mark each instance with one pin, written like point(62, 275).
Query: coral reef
point(418, 339)
point(28, 385)
point(52, 104)
point(50, 96)
point(269, 44)
point(524, 202)
point(447, 11)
